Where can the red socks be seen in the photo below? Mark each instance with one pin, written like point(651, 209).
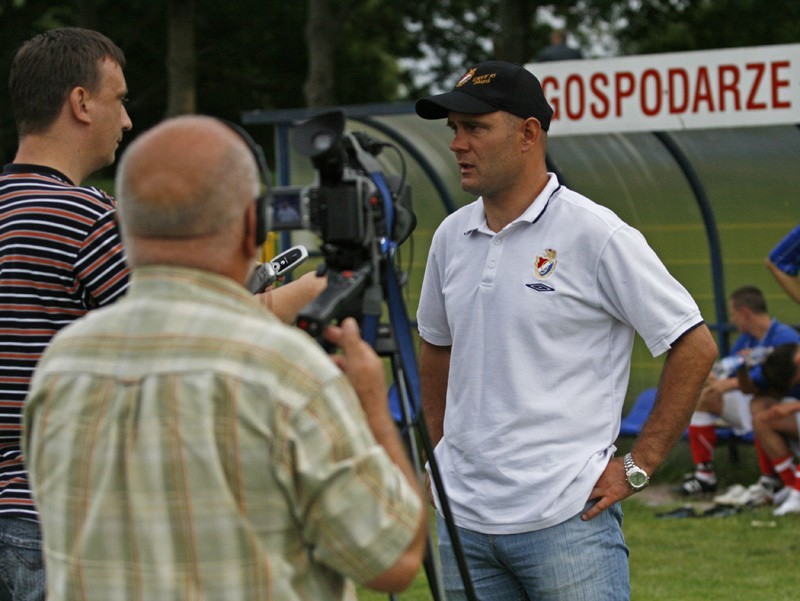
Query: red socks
point(765, 464)
point(702, 442)
point(784, 467)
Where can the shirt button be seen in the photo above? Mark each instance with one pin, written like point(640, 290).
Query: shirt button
point(491, 264)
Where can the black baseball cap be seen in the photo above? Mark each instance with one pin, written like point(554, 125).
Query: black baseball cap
point(488, 87)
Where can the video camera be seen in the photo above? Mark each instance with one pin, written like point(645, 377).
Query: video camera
point(360, 214)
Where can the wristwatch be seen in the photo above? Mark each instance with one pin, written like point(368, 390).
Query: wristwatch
point(636, 476)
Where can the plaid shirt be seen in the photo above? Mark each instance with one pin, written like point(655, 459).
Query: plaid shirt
point(184, 444)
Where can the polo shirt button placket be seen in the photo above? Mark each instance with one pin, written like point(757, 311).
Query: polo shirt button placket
point(494, 253)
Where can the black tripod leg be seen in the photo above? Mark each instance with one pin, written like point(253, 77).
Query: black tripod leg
point(407, 426)
point(438, 484)
point(432, 571)
point(406, 380)
point(418, 424)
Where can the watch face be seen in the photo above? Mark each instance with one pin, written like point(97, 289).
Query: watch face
point(637, 479)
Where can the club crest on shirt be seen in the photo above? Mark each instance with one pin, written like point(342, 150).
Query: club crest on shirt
point(544, 265)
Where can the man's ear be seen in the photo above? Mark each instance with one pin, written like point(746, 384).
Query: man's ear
point(532, 132)
point(78, 100)
point(249, 246)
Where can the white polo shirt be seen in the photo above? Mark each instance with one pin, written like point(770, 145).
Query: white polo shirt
point(541, 318)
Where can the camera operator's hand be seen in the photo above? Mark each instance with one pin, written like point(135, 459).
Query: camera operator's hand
point(361, 365)
point(286, 300)
point(364, 369)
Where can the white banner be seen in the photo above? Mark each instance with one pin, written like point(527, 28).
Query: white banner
point(733, 87)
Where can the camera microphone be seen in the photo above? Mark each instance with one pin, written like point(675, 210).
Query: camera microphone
point(266, 274)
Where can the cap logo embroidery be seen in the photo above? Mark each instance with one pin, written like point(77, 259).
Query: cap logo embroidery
point(467, 76)
point(483, 79)
point(487, 87)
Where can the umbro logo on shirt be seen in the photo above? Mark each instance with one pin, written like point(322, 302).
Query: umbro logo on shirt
point(539, 287)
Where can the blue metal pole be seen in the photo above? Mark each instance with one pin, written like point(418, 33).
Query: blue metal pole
point(712, 234)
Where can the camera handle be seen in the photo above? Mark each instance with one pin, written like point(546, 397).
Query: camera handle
point(341, 297)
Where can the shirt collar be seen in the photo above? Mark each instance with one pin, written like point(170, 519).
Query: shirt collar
point(477, 217)
point(773, 322)
point(174, 282)
point(22, 168)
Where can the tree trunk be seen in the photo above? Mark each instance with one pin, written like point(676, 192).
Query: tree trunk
point(181, 59)
point(513, 40)
point(322, 30)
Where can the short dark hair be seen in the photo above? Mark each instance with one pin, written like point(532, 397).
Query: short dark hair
point(779, 369)
point(48, 66)
point(750, 297)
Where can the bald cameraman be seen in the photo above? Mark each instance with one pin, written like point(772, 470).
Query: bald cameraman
point(185, 443)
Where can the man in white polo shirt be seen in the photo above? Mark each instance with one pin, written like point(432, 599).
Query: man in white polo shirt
point(530, 302)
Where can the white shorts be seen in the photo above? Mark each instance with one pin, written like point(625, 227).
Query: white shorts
point(793, 442)
point(736, 411)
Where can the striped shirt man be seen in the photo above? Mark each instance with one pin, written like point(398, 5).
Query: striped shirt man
point(60, 256)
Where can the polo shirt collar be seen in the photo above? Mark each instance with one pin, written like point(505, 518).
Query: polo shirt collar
point(477, 217)
point(18, 168)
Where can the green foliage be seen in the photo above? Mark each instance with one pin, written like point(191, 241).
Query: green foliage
point(452, 34)
point(261, 65)
point(676, 25)
point(18, 21)
point(252, 53)
point(373, 37)
point(258, 63)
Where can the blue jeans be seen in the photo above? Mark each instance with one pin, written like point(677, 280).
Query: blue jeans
point(572, 561)
point(21, 560)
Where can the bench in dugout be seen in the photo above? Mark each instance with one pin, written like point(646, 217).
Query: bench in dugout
point(633, 421)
